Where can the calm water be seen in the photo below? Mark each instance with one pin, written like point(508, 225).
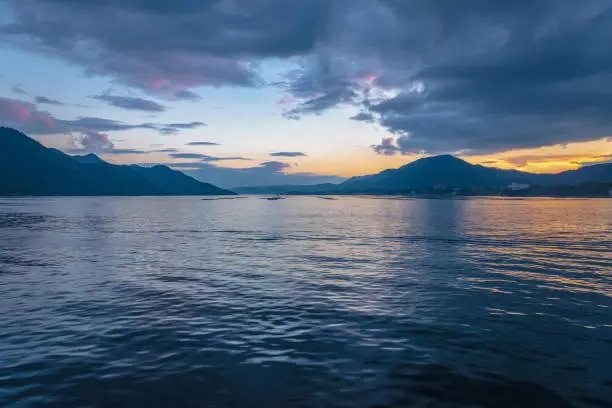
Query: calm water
point(159, 302)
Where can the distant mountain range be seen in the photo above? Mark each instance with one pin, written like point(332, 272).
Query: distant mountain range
point(29, 168)
point(449, 174)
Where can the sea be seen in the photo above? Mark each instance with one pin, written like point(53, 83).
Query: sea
point(305, 302)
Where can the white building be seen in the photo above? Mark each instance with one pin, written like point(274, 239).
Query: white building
point(518, 187)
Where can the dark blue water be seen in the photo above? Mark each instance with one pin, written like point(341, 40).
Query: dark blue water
point(178, 302)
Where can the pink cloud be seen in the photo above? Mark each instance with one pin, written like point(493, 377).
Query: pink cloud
point(14, 111)
point(93, 141)
point(286, 100)
point(368, 79)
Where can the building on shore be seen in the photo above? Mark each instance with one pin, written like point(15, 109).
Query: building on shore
point(519, 187)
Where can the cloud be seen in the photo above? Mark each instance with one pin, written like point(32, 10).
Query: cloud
point(203, 158)
point(494, 78)
point(387, 147)
point(187, 155)
point(104, 149)
point(228, 158)
point(48, 101)
point(203, 144)
point(318, 86)
point(130, 103)
point(26, 117)
point(157, 46)
point(288, 154)
point(91, 141)
point(524, 160)
point(167, 150)
point(275, 165)
point(593, 163)
point(286, 100)
point(173, 128)
point(600, 159)
point(364, 117)
point(440, 76)
point(116, 151)
point(534, 74)
point(19, 90)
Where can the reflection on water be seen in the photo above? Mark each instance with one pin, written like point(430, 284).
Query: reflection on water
point(129, 302)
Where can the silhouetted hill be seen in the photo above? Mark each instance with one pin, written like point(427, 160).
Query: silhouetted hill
point(29, 168)
point(597, 173)
point(436, 171)
point(447, 174)
point(174, 182)
point(88, 159)
point(449, 171)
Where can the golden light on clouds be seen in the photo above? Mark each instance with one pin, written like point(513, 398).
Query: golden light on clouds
point(549, 159)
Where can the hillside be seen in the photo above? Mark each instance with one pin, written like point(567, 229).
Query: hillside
point(447, 174)
point(29, 168)
point(449, 171)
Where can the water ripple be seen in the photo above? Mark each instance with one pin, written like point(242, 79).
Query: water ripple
point(358, 303)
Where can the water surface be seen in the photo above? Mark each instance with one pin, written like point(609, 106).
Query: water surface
point(159, 302)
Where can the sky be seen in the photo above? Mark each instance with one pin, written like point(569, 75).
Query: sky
point(259, 92)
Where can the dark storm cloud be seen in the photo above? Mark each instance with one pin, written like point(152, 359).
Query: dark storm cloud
point(158, 46)
point(48, 101)
point(288, 154)
point(531, 74)
point(442, 76)
point(481, 77)
point(203, 144)
point(130, 103)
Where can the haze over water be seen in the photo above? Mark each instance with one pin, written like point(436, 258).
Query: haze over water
point(144, 302)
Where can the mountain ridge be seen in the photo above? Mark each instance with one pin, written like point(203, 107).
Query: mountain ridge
point(447, 173)
point(29, 168)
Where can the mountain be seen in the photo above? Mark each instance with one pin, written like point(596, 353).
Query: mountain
point(88, 159)
point(449, 171)
point(174, 182)
point(29, 168)
point(435, 171)
point(446, 174)
point(597, 173)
